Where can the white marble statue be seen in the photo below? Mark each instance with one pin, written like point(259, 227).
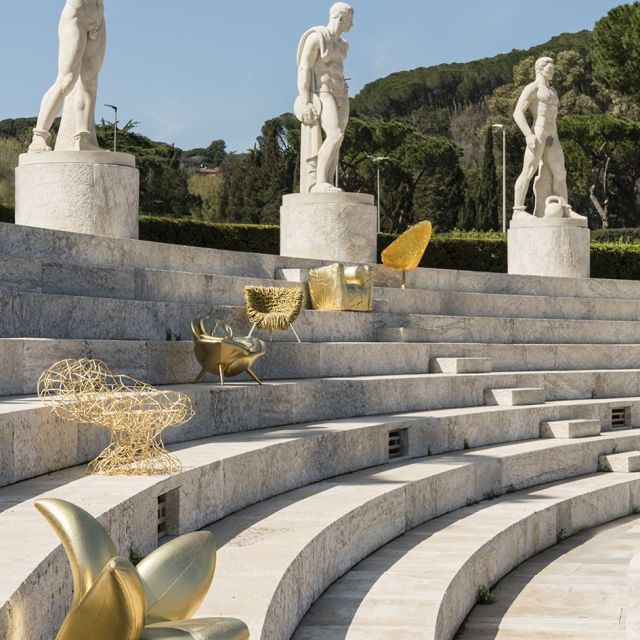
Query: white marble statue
point(323, 101)
point(82, 36)
point(543, 154)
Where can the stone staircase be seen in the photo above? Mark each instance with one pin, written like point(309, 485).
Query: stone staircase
point(371, 444)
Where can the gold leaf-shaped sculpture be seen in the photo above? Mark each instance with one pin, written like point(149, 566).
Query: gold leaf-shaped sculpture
point(120, 602)
point(177, 576)
point(406, 252)
point(134, 413)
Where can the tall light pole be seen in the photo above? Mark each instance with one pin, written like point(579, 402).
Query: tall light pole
point(377, 160)
point(504, 175)
point(115, 125)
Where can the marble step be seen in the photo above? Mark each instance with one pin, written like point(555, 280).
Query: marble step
point(570, 428)
point(461, 365)
point(163, 362)
point(93, 251)
point(305, 538)
point(34, 441)
point(499, 283)
point(515, 397)
point(628, 462)
point(439, 567)
point(134, 283)
point(577, 588)
point(45, 315)
point(423, 328)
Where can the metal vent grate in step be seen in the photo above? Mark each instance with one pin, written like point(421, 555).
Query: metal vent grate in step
point(620, 417)
point(168, 511)
point(398, 443)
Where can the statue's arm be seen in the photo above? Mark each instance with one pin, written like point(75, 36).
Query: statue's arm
point(310, 53)
point(520, 114)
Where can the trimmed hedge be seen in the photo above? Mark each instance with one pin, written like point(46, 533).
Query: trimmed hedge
point(624, 236)
point(470, 252)
point(254, 238)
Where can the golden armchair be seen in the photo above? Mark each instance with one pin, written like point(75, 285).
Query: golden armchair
point(219, 351)
point(113, 600)
point(273, 308)
point(406, 252)
point(340, 288)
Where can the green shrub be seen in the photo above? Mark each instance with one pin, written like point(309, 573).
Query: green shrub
point(6, 214)
point(625, 236)
point(615, 260)
point(470, 252)
point(253, 238)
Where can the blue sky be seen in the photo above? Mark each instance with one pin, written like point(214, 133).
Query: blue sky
point(191, 71)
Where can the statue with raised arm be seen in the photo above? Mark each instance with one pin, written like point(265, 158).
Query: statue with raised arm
point(82, 36)
point(323, 101)
point(543, 154)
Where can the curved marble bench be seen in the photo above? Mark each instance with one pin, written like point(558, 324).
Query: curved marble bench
point(223, 476)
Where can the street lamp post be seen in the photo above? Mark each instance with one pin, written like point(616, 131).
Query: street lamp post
point(377, 160)
point(115, 126)
point(504, 175)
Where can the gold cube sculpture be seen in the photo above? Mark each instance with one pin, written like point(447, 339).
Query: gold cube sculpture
point(406, 252)
point(340, 288)
point(221, 352)
point(113, 600)
point(134, 413)
point(273, 308)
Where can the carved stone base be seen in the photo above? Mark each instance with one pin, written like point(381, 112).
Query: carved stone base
point(340, 227)
point(550, 247)
point(93, 192)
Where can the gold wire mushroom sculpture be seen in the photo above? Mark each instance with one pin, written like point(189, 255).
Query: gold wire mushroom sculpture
point(134, 413)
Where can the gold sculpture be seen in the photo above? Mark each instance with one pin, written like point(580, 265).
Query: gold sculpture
point(219, 351)
point(113, 600)
point(406, 252)
point(273, 308)
point(134, 413)
point(340, 288)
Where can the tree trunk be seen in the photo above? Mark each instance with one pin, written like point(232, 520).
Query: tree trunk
point(603, 211)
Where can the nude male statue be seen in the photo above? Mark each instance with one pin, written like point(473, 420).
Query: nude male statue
point(323, 100)
point(82, 36)
point(543, 154)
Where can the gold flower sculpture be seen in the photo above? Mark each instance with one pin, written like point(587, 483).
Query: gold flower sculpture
point(406, 252)
point(134, 413)
point(113, 600)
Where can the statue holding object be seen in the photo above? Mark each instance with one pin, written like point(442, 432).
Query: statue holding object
point(82, 36)
point(543, 153)
point(323, 101)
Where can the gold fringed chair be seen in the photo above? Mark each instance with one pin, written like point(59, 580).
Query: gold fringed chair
point(340, 288)
point(406, 252)
point(219, 351)
point(273, 308)
point(113, 600)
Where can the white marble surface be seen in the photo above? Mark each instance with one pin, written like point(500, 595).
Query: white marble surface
point(339, 227)
point(96, 198)
point(322, 105)
point(559, 252)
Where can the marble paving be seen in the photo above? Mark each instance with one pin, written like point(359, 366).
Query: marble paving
point(576, 590)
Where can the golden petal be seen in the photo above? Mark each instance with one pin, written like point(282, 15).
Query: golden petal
point(406, 252)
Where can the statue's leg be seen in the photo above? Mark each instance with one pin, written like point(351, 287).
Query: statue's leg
point(71, 51)
point(85, 96)
point(530, 166)
point(555, 161)
point(327, 156)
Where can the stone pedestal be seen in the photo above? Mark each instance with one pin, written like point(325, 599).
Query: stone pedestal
point(557, 247)
point(93, 192)
point(340, 227)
